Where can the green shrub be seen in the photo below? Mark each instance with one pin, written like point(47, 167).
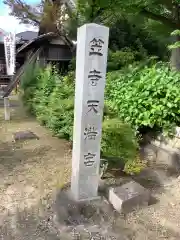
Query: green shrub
point(146, 97)
point(59, 104)
point(29, 77)
point(46, 82)
point(53, 104)
point(61, 111)
point(60, 119)
point(28, 85)
point(135, 34)
point(118, 141)
point(135, 166)
point(72, 65)
point(119, 59)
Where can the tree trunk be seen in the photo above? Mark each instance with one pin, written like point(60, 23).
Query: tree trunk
point(175, 56)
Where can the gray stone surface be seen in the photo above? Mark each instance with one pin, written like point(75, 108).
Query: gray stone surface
point(24, 135)
point(128, 197)
point(91, 61)
point(89, 220)
point(162, 155)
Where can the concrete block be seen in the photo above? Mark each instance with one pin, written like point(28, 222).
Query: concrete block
point(128, 197)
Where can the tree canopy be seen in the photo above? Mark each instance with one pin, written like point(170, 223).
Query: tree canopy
point(47, 14)
point(164, 15)
point(164, 11)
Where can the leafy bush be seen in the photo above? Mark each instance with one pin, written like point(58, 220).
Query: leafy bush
point(29, 78)
point(61, 117)
point(135, 166)
point(53, 104)
point(28, 84)
point(136, 35)
point(119, 59)
point(46, 81)
point(118, 141)
point(61, 108)
point(146, 97)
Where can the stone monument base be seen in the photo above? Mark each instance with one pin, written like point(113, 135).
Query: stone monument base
point(128, 197)
point(88, 199)
point(87, 220)
point(70, 196)
point(70, 211)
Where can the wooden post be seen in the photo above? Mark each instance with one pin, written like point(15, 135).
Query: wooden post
point(6, 109)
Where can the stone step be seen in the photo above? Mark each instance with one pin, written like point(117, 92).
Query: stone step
point(162, 155)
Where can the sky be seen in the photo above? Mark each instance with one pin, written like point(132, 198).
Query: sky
point(10, 23)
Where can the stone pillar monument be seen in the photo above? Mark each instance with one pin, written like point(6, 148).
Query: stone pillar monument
point(91, 62)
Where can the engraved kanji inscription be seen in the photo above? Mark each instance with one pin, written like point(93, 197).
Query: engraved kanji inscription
point(94, 76)
point(96, 46)
point(93, 105)
point(89, 159)
point(90, 133)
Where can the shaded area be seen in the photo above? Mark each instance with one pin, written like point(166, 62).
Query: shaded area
point(12, 154)
point(62, 218)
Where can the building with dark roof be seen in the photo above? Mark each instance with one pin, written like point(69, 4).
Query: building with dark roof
point(26, 36)
point(43, 47)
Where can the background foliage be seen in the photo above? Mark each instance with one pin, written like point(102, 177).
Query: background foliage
point(146, 97)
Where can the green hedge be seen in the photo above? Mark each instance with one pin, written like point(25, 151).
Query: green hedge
point(118, 140)
point(121, 58)
point(117, 59)
point(146, 97)
point(52, 102)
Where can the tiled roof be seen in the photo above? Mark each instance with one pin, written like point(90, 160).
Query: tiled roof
point(44, 37)
point(27, 35)
point(22, 36)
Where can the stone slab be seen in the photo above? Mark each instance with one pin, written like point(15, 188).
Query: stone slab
point(70, 212)
point(128, 197)
point(24, 135)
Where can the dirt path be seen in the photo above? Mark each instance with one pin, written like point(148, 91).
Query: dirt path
point(31, 174)
point(30, 171)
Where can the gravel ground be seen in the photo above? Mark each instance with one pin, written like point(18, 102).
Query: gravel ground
point(31, 203)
